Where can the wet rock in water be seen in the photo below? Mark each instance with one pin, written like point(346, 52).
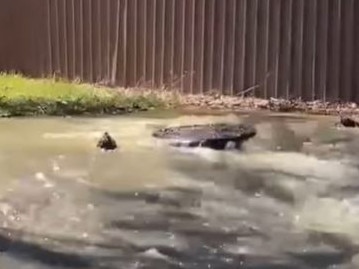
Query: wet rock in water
point(347, 121)
point(106, 142)
point(220, 136)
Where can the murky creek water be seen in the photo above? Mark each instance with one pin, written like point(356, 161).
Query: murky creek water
point(289, 200)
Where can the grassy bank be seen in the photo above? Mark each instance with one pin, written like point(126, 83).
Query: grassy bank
point(21, 96)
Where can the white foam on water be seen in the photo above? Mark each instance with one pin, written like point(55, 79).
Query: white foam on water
point(154, 254)
point(304, 175)
point(287, 162)
point(330, 216)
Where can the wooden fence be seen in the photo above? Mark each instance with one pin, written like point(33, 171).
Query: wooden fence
point(269, 48)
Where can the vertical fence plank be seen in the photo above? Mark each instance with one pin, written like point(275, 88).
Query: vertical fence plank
point(85, 40)
point(141, 41)
point(150, 41)
point(199, 45)
point(33, 32)
point(188, 45)
point(334, 49)
point(168, 42)
point(65, 38)
point(178, 44)
point(322, 48)
point(159, 43)
point(262, 48)
point(4, 31)
point(122, 13)
point(297, 47)
point(273, 54)
point(251, 44)
point(240, 46)
point(86, 43)
point(49, 37)
point(309, 48)
point(115, 52)
point(154, 33)
point(130, 52)
point(347, 40)
point(97, 40)
point(229, 48)
point(222, 28)
point(90, 40)
point(41, 54)
point(104, 14)
point(355, 82)
point(110, 43)
point(111, 20)
point(183, 42)
point(77, 40)
point(284, 50)
point(61, 35)
point(57, 35)
point(208, 46)
point(81, 35)
point(314, 43)
point(218, 49)
point(172, 38)
point(73, 38)
point(134, 80)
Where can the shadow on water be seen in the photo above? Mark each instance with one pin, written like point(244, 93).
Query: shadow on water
point(27, 251)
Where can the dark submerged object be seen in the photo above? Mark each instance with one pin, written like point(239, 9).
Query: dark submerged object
point(218, 136)
point(106, 142)
point(348, 122)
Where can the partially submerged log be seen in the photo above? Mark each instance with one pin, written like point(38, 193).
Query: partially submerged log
point(106, 142)
point(219, 136)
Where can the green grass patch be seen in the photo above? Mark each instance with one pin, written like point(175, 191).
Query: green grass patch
point(22, 96)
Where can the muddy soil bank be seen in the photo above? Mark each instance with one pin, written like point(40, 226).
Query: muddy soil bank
point(234, 103)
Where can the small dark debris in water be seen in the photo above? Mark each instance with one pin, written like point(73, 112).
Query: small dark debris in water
point(215, 136)
point(152, 198)
point(348, 122)
point(107, 142)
